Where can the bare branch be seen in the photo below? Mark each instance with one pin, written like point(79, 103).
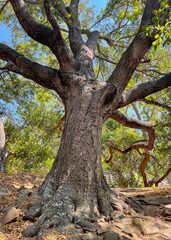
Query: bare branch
point(137, 124)
point(136, 111)
point(145, 89)
point(163, 177)
point(111, 42)
point(3, 6)
point(18, 63)
point(115, 63)
point(149, 70)
point(156, 104)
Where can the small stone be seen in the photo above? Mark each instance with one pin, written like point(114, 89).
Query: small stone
point(4, 190)
point(33, 210)
point(5, 209)
point(124, 238)
point(117, 215)
point(111, 236)
point(138, 223)
point(69, 228)
point(72, 238)
point(11, 214)
point(92, 227)
point(167, 210)
point(90, 236)
point(101, 231)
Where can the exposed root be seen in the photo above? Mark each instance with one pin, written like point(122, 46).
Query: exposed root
point(67, 207)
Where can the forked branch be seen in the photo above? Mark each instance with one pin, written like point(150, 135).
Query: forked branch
point(137, 124)
point(42, 34)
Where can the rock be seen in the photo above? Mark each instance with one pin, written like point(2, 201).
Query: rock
point(138, 224)
point(111, 236)
point(117, 215)
point(5, 209)
point(72, 238)
point(33, 210)
point(135, 205)
point(4, 190)
point(167, 210)
point(69, 228)
point(23, 193)
point(90, 236)
point(11, 214)
point(161, 200)
point(92, 227)
point(18, 203)
point(124, 238)
point(150, 228)
point(101, 231)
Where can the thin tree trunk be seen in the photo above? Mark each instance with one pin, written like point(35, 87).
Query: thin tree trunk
point(2, 148)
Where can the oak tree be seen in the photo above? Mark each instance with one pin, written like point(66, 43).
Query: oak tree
point(75, 188)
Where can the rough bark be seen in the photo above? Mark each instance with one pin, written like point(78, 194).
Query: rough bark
point(2, 148)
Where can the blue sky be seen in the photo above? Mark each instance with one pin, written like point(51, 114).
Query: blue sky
point(4, 33)
point(98, 3)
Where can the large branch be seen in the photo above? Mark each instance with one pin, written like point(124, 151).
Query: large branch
point(18, 63)
point(43, 34)
point(83, 52)
point(145, 89)
point(136, 124)
point(73, 23)
point(136, 51)
point(74, 6)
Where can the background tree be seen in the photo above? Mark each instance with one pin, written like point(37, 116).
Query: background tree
point(2, 148)
point(75, 187)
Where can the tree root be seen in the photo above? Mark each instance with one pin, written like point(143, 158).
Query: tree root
point(66, 207)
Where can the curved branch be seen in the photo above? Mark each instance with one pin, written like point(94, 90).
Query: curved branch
point(156, 104)
point(137, 124)
point(143, 90)
point(111, 42)
point(38, 32)
point(18, 63)
point(163, 177)
point(41, 33)
point(143, 166)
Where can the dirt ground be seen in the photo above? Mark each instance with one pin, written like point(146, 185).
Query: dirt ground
point(152, 223)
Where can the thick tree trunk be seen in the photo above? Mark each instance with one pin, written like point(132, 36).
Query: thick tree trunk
point(2, 148)
point(76, 187)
